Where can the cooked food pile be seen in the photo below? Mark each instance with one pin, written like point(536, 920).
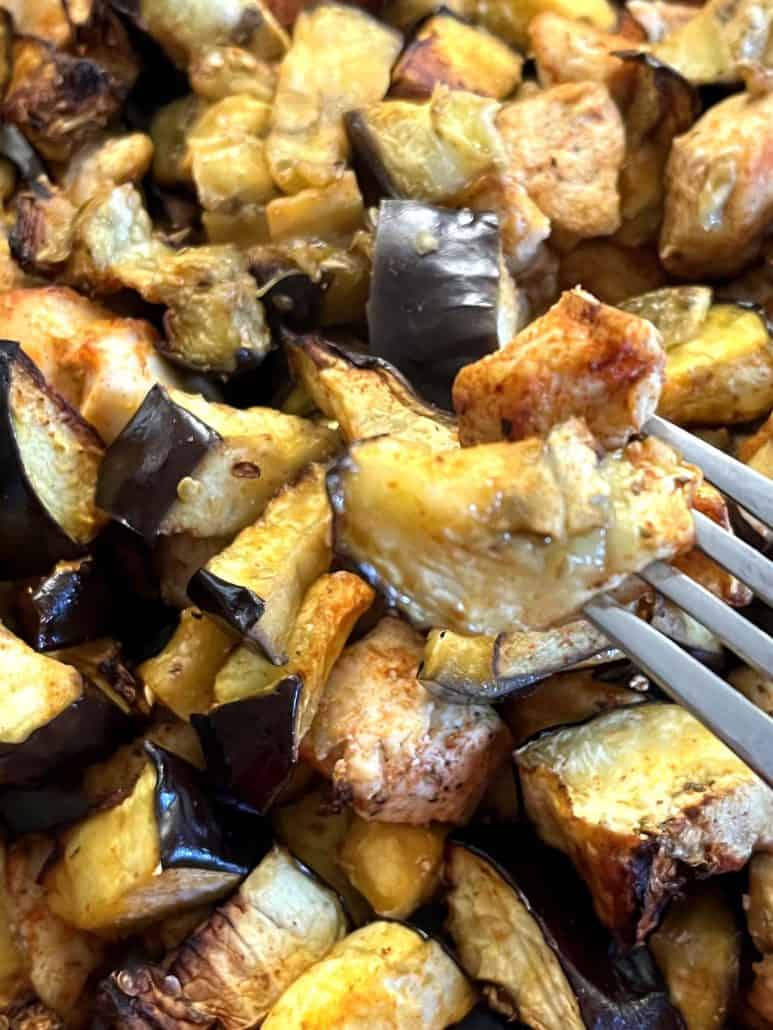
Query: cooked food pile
point(329, 335)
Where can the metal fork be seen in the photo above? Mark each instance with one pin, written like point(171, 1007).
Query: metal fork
point(743, 727)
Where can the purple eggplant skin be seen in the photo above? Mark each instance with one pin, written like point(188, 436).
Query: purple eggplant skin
point(251, 745)
point(190, 835)
point(31, 541)
point(69, 606)
point(41, 807)
point(88, 729)
point(434, 293)
point(233, 605)
point(162, 444)
point(614, 991)
point(366, 154)
point(482, 1018)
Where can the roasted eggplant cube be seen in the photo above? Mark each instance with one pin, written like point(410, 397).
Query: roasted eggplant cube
point(51, 716)
point(722, 374)
point(643, 799)
point(480, 551)
point(307, 145)
point(583, 358)
point(314, 831)
point(434, 295)
point(186, 465)
point(447, 50)
point(182, 674)
point(697, 948)
point(397, 867)
point(251, 745)
point(50, 459)
point(759, 914)
point(385, 974)
point(453, 141)
point(524, 927)
point(69, 606)
point(391, 748)
point(256, 585)
point(365, 395)
point(233, 968)
point(487, 668)
point(157, 850)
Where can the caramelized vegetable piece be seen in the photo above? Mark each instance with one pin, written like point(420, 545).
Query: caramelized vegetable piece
point(453, 136)
point(51, 715)
point(697, 949)
point(487, 668)
point(187, 28)
point(529, 530)
point(313, 830)
point(719, 199)
point(642, 799)
point(186, 465)
point(723, 373)
point(755, 686)
point(396, 867)
point(723, 43)
point(511, 20)
point(158, 849)
point(447, 50)
point(101, 364)
point(252, 735)
point(318, 84)
point(169, 131)
point(325, 212)
point(182, 675)
point(434, 302)
point(385, 974)
point(677, 312)
point(570, 697)
point(50, 458)
point(59, 99)
point(580, 359)
point(70, 605)
point(256, 585)
point(366, 396)
point(567, 145)
point(233, 968)
point(59, 959)
point(224, 71)
point(523, 926)
point(14, 980)
point(399, 754)
point(214, 321)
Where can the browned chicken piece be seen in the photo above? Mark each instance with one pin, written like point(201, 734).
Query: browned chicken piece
point(46, 19)
point(642, 799)
point(710, 502)
point(660, 18)
point(102, 364)
point(508, 536)
point(719, 190)
point(581, 359)
point(391, 748)
point(611, 271)
point(567, 50)
point(522, 225)
point(751, 447)
point(567, 146)
point(59, 958)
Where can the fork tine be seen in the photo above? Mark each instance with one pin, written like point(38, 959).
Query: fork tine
point(736, 632)
point(750, 488)
point(743, 727)
point(751, 567)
